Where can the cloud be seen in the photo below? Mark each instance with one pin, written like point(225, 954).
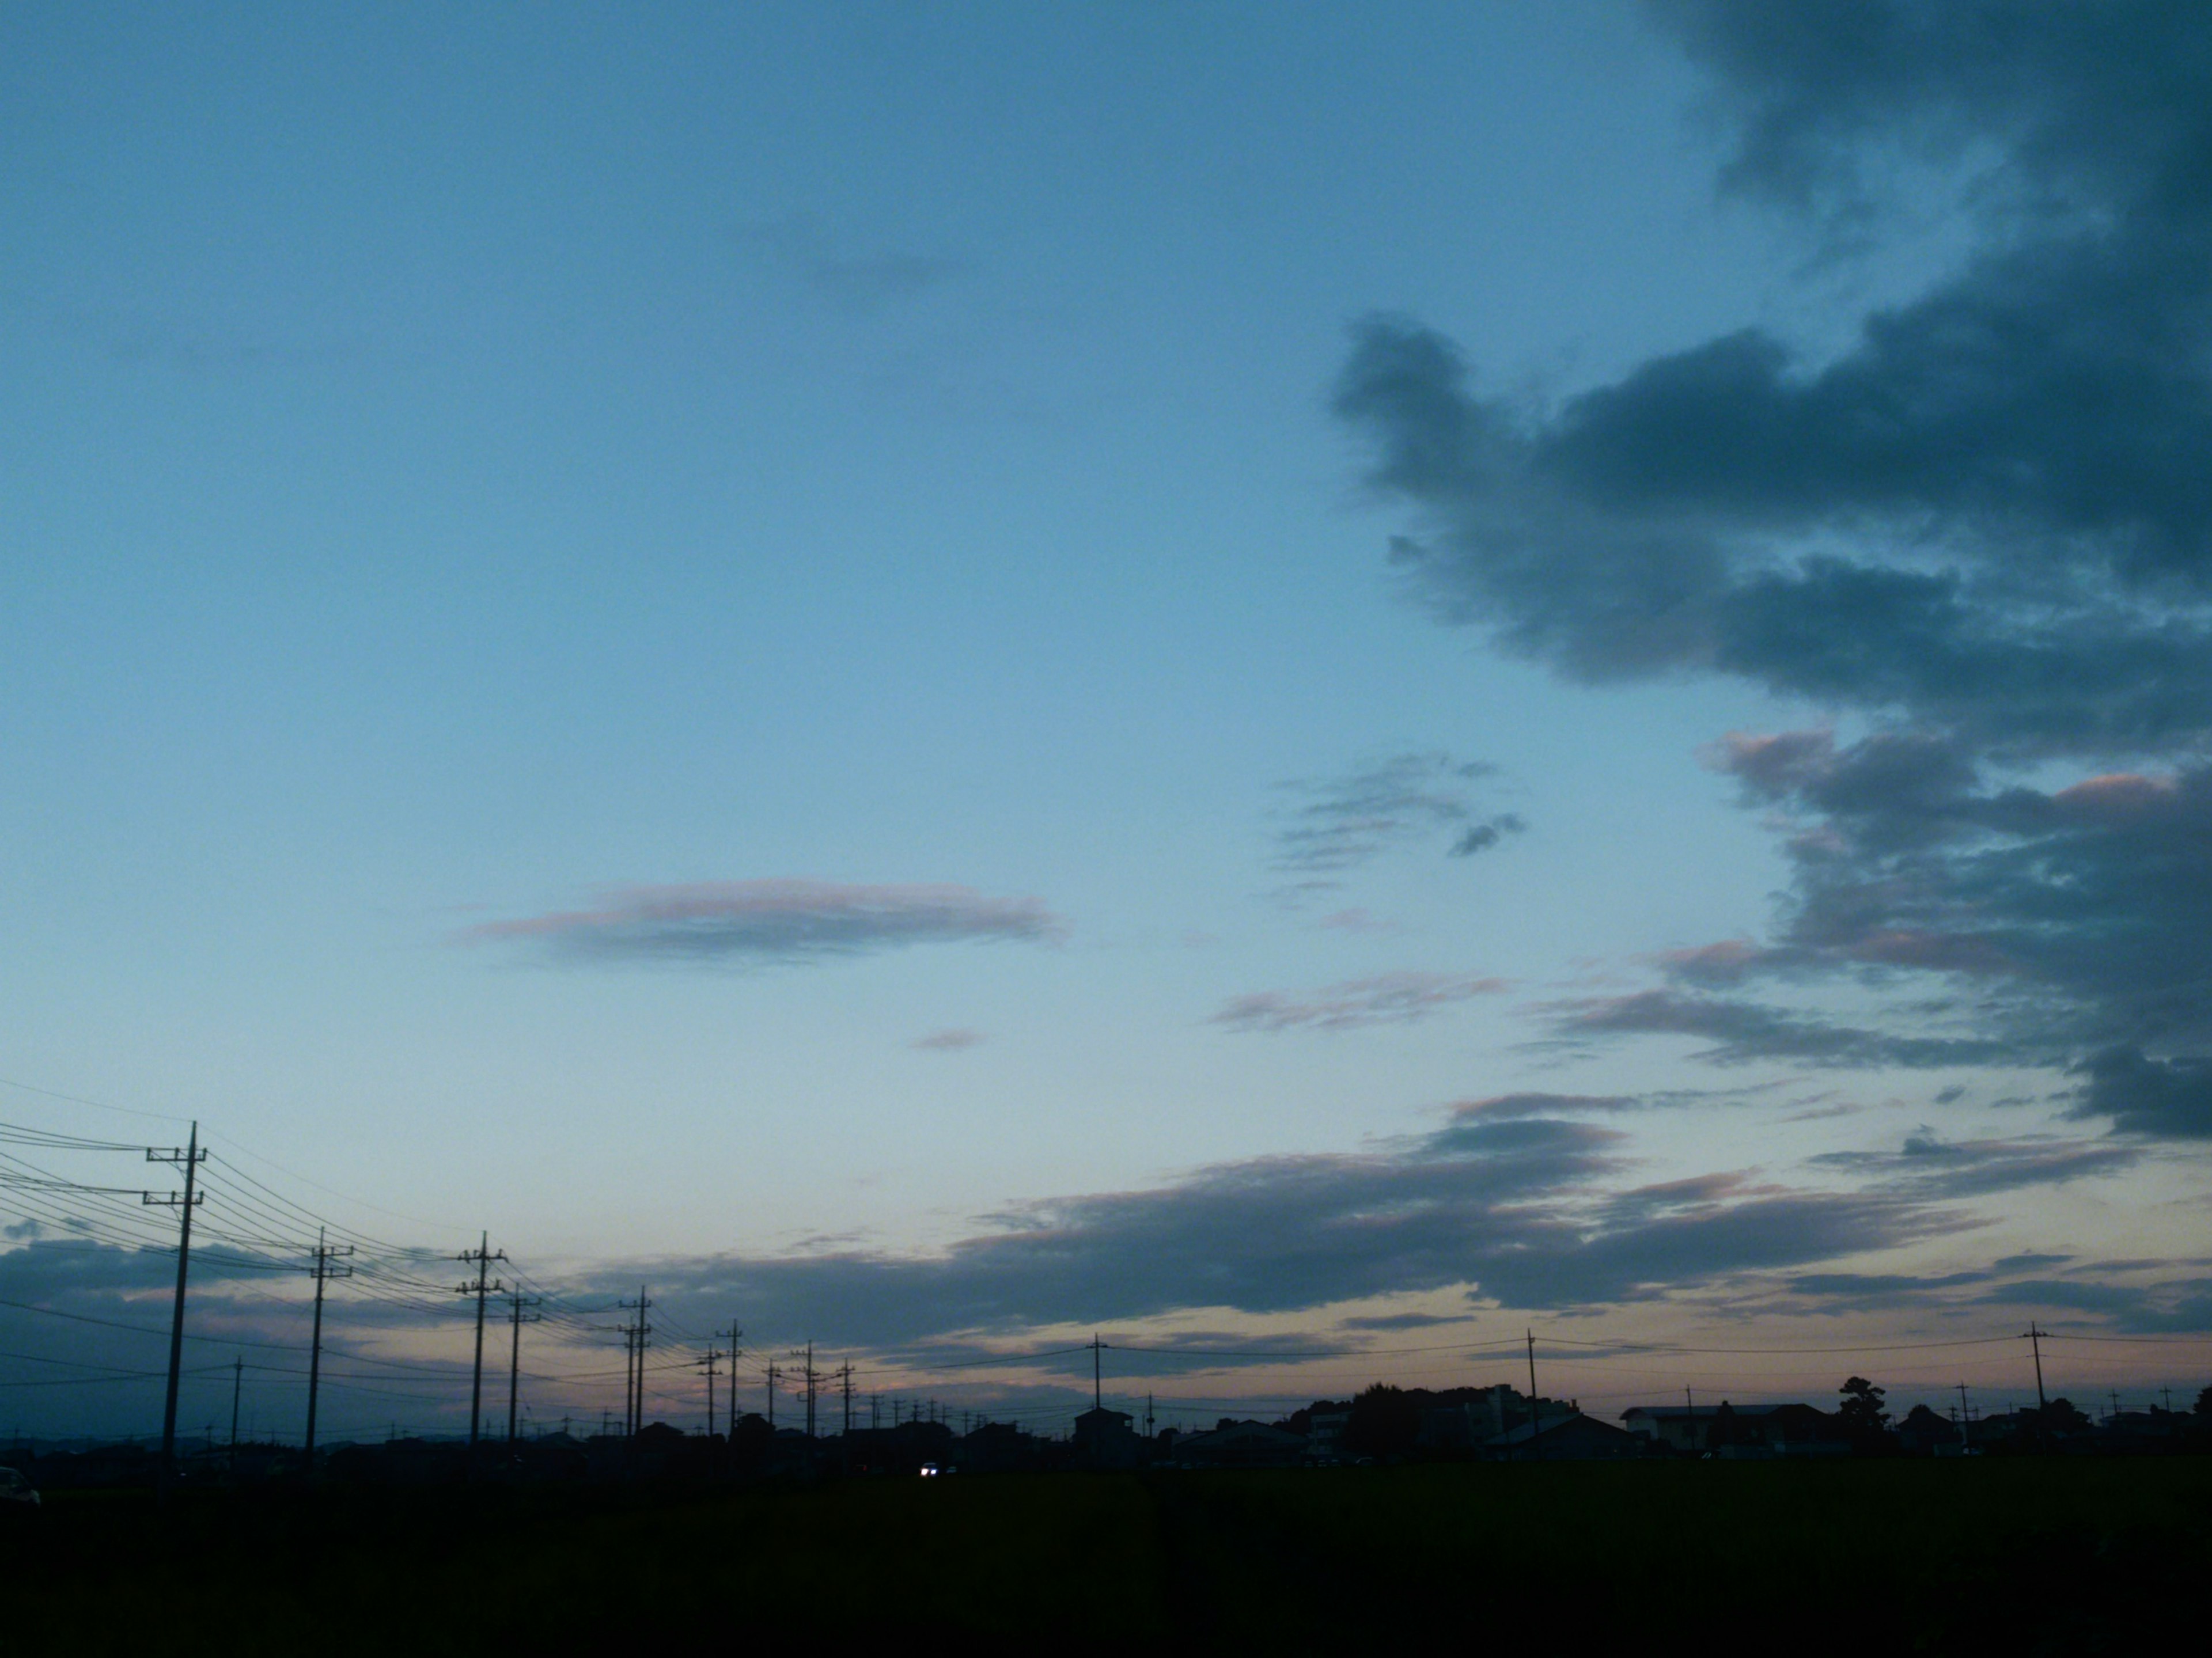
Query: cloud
point(1387, 999)
point(1928, 1166)
point(1980, 530)
point(2168, 1098)
point(1480, 837)
point(1509, 1210)
point(863, 280)
point(1744, 1031)
point(773, 921)
point(1402, 1321)
point(948, 1042)
point(1501, 1105)
point(1347, 821)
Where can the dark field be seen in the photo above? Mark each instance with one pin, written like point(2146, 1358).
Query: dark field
point(2018, 1557)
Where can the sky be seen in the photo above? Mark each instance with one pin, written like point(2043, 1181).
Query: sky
point(1299, 680)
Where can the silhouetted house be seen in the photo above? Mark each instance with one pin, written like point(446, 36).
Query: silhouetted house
point(1235, 1444)
point(994, 1448)
point(1923, 1433)
point(1104, 1439)
point(1569, 1438)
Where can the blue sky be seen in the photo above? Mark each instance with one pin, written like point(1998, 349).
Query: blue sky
point(469, 470)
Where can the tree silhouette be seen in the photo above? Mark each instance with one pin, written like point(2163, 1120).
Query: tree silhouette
point(1864, 1420)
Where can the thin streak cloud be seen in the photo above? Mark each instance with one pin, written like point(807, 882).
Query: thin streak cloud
point(772, 922)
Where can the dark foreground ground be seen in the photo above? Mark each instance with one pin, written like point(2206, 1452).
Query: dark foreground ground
point(2018, 1557)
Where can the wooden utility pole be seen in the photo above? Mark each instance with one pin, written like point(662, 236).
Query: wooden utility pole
point(810, 1383)
point(1535, 1411)
point(706, 1362)
point(192, 1157)
point(734, 1331)
point(1097, 1398)
point(518, 1314)
point(638, 1334)
point(324, 1273)
point(482, 1255)
point(2034, 1338)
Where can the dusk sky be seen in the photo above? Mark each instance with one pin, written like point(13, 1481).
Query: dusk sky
point(1297, 679)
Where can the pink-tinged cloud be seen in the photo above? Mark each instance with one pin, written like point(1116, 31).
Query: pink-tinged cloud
point(788, 920)
point(948, 1042)
point(1357, 921)
point(1388, 999)
point(2116, 794)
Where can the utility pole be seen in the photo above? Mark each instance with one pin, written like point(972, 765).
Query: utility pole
point(630, 1374)
point(518, 1314)
point(772, 1373)
point(1965, 1418)
point(638, 1332)
point(1535, 1411)
point(845, 1371)
point(735, 1331)
point(875, 1411)
point(324, 1272)
point(482, 1288)
point(2034, 1337)
point(810, 1382)
point(192, 1157)
point(1690, 1404)
point(1097, 1399)
point(237, 1384)
point(1148, 1413)
point(706, 1362)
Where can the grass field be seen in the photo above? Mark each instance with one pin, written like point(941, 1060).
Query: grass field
point(2017, 1557)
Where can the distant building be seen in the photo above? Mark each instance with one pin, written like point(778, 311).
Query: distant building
point(1241, 1445)
point(1571, 1438)
point(1325, 1435)
point(1776, 1430)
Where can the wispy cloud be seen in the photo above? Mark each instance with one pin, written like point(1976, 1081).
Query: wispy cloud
point(1743, 1031)
point(1343, 821)
point(1387, 999)
point(771, 921)
point(858, 276)
point(948, 1042)
point(1928, 1166)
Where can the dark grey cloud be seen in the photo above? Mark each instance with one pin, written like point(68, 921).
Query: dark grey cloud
point(1402, 1321)
point(1927, 1166)
point(1992, 511)
point(1513, 1211)
point(1480, 837)
point(1744, 1031)
point(1983, 528)
point(2076, 920)
point(1499, 1105)
point(2169, 1098)
point(1341, 822)
point(1385, 998)
point(2162, 1306)
point(771, 921)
